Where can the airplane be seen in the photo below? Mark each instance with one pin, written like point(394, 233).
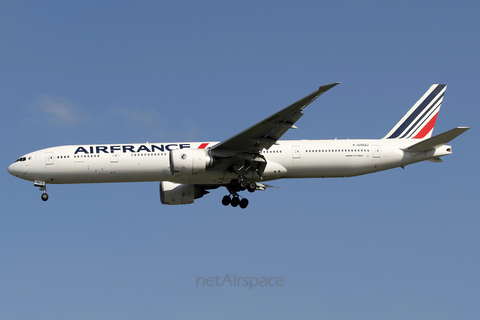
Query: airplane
point(187, 170)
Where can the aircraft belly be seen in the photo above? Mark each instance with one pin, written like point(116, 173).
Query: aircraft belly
point(210, 177)
point(316, 167)
point(343, 165)
point(357, 164)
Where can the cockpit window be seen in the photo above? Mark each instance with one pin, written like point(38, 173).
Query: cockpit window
point(21, 159)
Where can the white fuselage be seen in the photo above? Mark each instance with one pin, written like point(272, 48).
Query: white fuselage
point(150, 162)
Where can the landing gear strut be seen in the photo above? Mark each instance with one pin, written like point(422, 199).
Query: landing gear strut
point(43, 187)
point(233, 187)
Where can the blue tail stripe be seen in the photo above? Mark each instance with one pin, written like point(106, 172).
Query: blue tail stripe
point(424, 117)
point(417, 111)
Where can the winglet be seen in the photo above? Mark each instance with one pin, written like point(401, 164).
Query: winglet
point(328, 86)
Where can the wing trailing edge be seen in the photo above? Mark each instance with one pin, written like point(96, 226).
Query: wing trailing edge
point(266, 133)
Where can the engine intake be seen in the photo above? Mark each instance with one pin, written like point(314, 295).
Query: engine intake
point(175, 193)
point(187, 162)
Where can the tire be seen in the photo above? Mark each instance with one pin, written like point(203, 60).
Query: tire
point(235, 202)
point(243, 203)
point(226, 200)
point(44, 196)
point(252, 186)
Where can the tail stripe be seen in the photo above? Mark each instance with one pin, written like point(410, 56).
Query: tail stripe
point(428, 127)
point(435, 93)
point(435, 106)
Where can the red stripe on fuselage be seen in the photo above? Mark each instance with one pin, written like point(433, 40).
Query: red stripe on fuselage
point(203, 146)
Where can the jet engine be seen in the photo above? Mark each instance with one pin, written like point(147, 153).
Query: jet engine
point(187, 162)
point(174, 193)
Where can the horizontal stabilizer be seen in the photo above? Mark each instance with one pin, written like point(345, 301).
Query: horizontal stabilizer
point(436, 141)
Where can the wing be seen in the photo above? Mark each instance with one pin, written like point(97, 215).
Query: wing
point(266, 133)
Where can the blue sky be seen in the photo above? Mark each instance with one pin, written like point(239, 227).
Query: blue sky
point(401, 244)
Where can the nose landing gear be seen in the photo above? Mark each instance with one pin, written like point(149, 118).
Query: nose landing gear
point(43, 187)
point(44, 195)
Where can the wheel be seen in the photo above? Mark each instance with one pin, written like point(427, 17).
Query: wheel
point(235, 202)
point(226, 200)
point(44, 196)
point(234, 185)
point(243, 203)
point(252, 186)
point(243, 185)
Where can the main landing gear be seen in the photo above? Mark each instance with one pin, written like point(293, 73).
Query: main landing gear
point(233, 187)
point(235, 201)
point(43, 187)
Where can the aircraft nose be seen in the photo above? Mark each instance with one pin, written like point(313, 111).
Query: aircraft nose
point(11, 169)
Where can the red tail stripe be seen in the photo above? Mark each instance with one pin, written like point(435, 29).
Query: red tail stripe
point(428, 127)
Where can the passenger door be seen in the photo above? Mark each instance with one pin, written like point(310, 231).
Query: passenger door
point(48, 158)
point(376, 151)
point(295, 152)
point(114, 157)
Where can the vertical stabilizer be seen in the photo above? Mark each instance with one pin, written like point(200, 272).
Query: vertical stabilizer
point(419, 121)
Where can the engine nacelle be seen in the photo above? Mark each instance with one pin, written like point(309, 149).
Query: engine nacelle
point(175, 193)
point(187, 162)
